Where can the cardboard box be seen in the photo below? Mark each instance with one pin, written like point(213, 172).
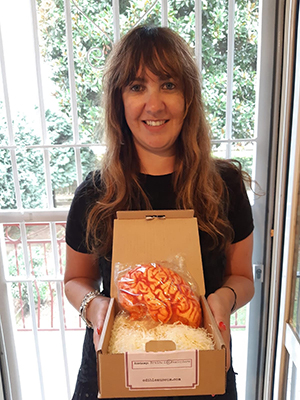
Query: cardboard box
point(153, 236)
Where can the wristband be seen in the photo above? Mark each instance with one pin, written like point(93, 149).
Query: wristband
point(84, 305)
point(235, 296)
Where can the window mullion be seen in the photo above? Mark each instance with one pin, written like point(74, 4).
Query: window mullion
point(72, 84)
point(198, 33)
point(12, 216)
point(32, 306)
point(230, 60)
point(11, 140)
point(60, 303)
point(164, 12)
point(116, 19)
point(13, 158)
point(44, 131)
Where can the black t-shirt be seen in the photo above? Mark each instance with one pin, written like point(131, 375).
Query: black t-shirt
point(160, 192)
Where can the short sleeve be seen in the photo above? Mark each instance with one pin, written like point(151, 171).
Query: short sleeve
point(77, 216)
point(240, 212)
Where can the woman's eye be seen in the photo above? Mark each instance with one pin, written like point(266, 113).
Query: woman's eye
point(136, 88)
point(169, 85)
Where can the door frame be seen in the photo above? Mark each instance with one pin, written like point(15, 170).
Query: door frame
point(288, 345)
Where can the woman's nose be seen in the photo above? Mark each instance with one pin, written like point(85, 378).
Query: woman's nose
point(154, 102)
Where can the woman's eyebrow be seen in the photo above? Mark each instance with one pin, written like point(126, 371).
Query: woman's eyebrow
point(142, 79)
point(139, 79)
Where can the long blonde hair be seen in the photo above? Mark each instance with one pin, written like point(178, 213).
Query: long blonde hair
point(196, 179)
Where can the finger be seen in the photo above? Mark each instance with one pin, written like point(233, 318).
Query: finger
point(96, 338)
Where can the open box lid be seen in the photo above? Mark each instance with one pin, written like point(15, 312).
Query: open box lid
point(154, 236)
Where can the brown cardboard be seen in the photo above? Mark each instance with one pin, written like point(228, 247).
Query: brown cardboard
point(160, 345)
point(153, 236)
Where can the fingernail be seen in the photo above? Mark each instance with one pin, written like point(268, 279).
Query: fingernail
point(99, 331)
point(222, 326)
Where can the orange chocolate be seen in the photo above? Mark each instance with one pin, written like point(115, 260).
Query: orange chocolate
point(161, 292)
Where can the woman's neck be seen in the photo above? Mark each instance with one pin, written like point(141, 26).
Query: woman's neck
point(155, 164)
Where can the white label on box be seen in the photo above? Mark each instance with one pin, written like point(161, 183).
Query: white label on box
point(161, 370)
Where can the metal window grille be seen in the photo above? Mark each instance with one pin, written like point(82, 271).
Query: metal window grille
point(49, 216)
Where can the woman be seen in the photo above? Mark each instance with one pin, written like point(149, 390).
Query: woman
point(158, 156)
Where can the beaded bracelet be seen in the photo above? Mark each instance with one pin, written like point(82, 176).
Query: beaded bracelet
point(235, 296)
point(84, 305)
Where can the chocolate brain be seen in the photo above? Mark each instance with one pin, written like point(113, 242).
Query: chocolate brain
point(161, 292)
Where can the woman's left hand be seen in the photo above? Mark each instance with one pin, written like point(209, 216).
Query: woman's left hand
point(238, 277)
point(221, 312)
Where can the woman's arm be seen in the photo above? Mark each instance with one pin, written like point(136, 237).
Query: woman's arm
point(238, 276)
point(81, 277)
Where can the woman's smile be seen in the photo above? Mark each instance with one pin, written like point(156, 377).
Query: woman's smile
point(155, 123)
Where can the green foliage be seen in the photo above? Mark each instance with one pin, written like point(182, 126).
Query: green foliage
point(30, 162)
point(94, 29)
point(30, 167)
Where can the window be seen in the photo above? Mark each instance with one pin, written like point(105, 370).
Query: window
point(51, 120)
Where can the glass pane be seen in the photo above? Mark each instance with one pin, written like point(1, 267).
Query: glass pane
point(61, 246)
point(14, 250)
point(293, 382)
point(181, 18)
point(134, 12)
point(7, 189)
point(32, 178)
point(53, 365)
point(3, 123)
point(20, 301)
point(39, 247)
point(40, 250)
point(90, 158)
point(59, 127)
point(46, 305)
point(219, 150)
point(214, 63)
point(28, 366)
point(49, 341)
point(92, 42)
point(245, 63)
point(239, 335)
point(244, 153)
point(63, 175)
point(214, 66)
point(20, 66)
point(53, 50)
point(295, 309)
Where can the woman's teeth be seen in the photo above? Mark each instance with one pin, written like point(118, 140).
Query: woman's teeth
point(155, 123)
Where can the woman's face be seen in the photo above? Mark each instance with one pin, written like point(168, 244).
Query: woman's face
point(154, 111)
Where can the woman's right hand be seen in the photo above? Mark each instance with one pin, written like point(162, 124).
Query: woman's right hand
point(96, 313)
point(81, 277)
